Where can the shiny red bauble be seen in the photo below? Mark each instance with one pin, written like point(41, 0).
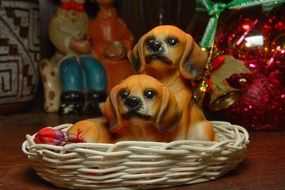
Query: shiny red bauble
point(258, 39)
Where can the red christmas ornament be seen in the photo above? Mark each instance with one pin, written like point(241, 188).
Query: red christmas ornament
point(244, 39)
point(261, 105)
point(260, 43)
point(275, 23)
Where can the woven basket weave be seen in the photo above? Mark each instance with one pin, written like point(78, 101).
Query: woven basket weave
point(136, 164)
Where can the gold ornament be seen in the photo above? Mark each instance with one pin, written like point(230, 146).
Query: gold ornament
point(200, 92)
point(223, 95)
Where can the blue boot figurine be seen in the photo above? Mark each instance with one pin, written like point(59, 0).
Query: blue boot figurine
point(84, 84)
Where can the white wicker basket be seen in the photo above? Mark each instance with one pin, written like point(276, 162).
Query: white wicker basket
point(136, 164)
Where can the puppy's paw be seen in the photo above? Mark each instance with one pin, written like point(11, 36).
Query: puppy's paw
point(92, 130)
point(202, 130)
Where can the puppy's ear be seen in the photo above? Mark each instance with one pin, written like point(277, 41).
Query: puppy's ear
point(136, 56)
point(169, 114)
point(193, 59)
point(111, 111)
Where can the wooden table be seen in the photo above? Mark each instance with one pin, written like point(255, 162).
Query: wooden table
point(263, 167)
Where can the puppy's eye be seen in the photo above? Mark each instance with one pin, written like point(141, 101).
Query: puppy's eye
point(150, 41)
point(172, 41)
point(124, 93)
point(149, 93)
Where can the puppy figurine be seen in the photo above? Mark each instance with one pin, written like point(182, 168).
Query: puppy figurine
point(140, 108)
point(172, 56)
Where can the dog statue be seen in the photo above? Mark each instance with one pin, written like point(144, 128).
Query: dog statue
point(172, 56)
point(141, 108)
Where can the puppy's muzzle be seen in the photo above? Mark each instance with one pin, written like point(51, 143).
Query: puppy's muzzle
point(133, 103)
point(156, 51)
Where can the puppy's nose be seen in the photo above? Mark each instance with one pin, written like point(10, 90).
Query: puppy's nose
point(154, 45)
point(133, 103)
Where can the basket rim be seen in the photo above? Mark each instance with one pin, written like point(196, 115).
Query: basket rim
point(29, 142)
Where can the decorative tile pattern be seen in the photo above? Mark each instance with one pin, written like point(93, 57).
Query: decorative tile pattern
point(19, 50)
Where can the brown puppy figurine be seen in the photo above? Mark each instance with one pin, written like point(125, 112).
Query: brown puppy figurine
point(172, 56)
point(140, 108)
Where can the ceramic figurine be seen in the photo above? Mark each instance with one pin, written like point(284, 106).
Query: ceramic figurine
point(111, 42)
point(172, 56)
point(71, 72)
point(144, 109)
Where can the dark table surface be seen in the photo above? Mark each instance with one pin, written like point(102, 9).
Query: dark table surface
point(263, 167)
